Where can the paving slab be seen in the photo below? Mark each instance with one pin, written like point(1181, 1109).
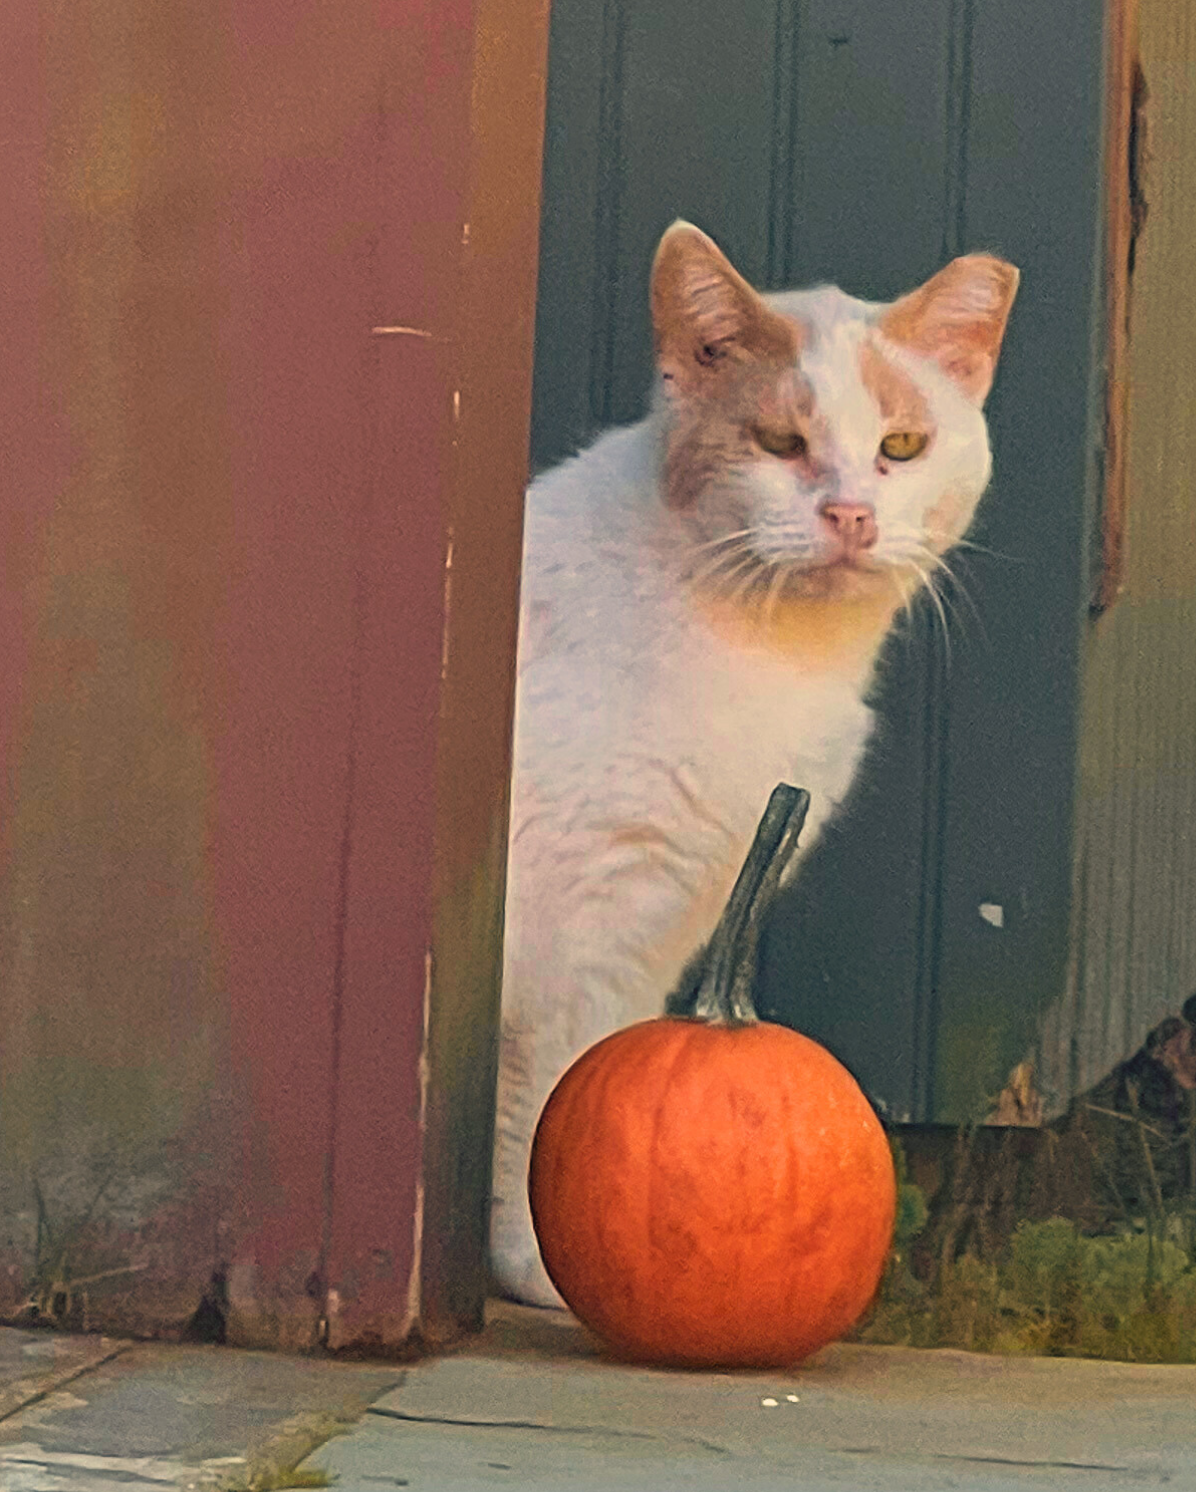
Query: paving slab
point(35, 1363)
point(534, 1405)
point(187, 1417)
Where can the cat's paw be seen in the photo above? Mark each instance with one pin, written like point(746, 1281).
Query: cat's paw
point(521, 1276)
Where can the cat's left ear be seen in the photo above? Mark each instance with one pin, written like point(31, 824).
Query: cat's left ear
point(706, 316)
point(957, 319)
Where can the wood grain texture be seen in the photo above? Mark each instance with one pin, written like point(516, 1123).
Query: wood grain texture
point(1124, 145)
point(492, 369)
point(269, 285)
point(1134, 930)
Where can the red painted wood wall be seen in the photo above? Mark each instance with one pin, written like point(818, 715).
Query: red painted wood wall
point(269, 276)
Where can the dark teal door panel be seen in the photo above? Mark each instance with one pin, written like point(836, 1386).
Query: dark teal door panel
point(1033, 185)
point(866, 143)
point(876, 99)
point(845, 957)
point(655, 111)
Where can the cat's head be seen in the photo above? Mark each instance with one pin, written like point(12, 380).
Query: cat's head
point(831, 445)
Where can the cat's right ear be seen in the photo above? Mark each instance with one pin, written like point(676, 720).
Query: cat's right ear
point(957, 319)
point(705, 315)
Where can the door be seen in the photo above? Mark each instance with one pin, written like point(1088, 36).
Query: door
point(866, 144)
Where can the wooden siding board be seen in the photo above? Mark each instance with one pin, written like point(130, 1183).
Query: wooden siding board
point(873, 150)
point(231, 502)
point(563, 417)
point(1012, 711)
point(875, 180)
point(1134, 955)
point(484, 510)
point(695, 135)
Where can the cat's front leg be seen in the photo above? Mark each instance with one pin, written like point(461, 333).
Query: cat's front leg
point(553, 1011)
point(515, 1264)
point(595, 940)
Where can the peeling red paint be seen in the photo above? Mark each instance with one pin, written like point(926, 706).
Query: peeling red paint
point(235, 350)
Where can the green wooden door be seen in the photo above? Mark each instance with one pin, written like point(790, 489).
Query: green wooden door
point(866, 142)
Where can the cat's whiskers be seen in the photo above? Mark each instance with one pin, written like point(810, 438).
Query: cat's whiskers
point(940, 610)
point(735, 578)
point(1013, 559)
point(748, 581)
point(926, 585)
point(958, 591)
point(723, 540)
point(908, 543)
point(908, 546)
point(907, 596)
point(733, 567)
point(727, 564)
point(905, 549)
point(720, 563)
point(776, 590)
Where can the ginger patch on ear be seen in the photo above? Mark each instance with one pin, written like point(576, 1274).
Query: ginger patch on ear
point(957, 319)
point(705, 315)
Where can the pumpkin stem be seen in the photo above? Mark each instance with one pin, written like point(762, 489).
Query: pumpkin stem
point(728, 973)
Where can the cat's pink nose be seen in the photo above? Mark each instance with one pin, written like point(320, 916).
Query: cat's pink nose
point(853, 524)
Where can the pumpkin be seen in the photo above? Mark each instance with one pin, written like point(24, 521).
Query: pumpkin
point(715, 1191)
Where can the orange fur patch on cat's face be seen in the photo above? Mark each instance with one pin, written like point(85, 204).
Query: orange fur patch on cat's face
point(705, 440)
point(901, 403)
point(725, 355)
point(946, 522)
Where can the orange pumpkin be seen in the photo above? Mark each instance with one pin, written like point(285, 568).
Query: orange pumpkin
point(715, 1191)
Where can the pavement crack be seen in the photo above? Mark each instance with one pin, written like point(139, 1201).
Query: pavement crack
point(141, 1471)
point(60, 1380)
point(531, 1424)
point(1041, 1465)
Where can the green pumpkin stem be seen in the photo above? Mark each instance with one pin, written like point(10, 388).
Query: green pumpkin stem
point(725, 991)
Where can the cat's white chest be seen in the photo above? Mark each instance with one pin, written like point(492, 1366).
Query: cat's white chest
point(647, 742)
point(629, 694)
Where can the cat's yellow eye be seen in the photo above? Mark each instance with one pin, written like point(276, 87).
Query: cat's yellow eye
point(779, 442)
point(903, 445)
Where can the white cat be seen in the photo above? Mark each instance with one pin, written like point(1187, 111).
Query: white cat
point(704, 597)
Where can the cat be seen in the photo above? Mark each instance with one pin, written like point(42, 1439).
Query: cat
point(704, 597)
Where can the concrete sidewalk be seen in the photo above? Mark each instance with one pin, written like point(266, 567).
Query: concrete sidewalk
point(532, 1405)
point(86, 1414)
